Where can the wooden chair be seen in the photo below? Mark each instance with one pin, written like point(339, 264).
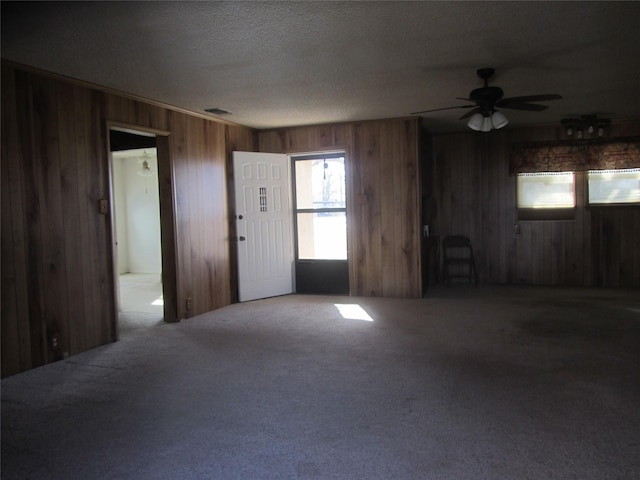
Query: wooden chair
point(458, 253)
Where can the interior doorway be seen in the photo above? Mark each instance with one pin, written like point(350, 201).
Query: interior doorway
point(136, 230)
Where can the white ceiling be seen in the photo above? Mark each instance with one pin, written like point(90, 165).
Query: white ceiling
point(275, 64)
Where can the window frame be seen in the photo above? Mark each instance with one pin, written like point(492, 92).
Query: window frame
point(547, 213)
point(589, 204)
point(296, 210)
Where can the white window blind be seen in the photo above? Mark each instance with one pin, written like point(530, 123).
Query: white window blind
point(546, 190)
point(614, 186)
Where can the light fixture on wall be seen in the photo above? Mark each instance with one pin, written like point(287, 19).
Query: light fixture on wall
point(486, 121)
point(585, 126)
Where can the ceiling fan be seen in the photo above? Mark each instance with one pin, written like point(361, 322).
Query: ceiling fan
point(484, 115)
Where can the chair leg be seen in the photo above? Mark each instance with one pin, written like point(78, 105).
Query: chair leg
point(475, 274)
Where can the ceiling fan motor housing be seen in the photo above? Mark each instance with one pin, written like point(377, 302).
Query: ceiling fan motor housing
point(486, 98)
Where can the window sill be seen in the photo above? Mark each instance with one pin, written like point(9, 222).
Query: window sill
point(594, 206)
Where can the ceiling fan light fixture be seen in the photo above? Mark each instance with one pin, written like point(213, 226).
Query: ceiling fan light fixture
point(486, 124)
point(476, 122)
point(484, 100)
point(498, 120)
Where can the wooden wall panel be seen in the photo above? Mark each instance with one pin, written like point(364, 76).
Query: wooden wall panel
point(56, 299)
point(369, 224)
point(383, 198)
point(57, 259)
point(178, 142)
point(16, 337)
point(474, 195)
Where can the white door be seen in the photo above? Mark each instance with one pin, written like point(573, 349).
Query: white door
point(263, 225)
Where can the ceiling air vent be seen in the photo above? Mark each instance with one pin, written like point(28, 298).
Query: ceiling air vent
point(217, 111)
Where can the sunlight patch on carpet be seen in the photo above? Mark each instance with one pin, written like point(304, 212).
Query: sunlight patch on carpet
point(352, 311)
point(158, 301)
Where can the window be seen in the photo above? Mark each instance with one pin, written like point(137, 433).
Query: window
point(546, 196)
point(614, 187)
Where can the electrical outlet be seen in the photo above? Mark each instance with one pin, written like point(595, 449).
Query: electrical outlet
point(188, 303)
point(103, 206)
point(55, 341)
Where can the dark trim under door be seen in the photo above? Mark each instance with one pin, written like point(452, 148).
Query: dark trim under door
point(329, 277)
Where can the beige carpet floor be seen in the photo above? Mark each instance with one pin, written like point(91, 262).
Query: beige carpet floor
point(468, 383)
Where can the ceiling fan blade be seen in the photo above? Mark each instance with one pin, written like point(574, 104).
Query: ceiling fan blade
point(531, 107)
point(532, 98)
point(439, 109)
point(470, 112)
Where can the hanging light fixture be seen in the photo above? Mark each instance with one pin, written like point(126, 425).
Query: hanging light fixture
point(498, 120)
point(585, 126)
point(145, 170)
point(486, 121)
point(568, 124)
point(602, 124)
point(476, 122)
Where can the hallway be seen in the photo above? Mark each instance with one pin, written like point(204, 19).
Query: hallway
point(141, 304)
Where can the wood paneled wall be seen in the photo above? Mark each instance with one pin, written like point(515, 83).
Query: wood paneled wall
point(470, 192)
point(57, 260)
point(383, 198)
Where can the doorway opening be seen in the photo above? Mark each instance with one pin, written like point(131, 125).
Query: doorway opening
point(136, 230)
point(320, 224)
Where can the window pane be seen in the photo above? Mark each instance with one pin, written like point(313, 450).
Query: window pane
point(614, 186)
point(322, 236)
point(546, 190)
point(320, 183)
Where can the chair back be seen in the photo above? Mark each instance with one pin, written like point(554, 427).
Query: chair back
point(455, 241)
point(457, 251)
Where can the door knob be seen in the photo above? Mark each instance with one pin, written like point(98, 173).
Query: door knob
point(242, 239)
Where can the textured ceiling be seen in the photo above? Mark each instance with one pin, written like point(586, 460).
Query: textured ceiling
point(274, 64)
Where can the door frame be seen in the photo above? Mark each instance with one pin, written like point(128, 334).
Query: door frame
point(168, 239)
point(321, 269)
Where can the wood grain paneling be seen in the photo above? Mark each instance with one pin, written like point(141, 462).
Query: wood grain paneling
point(57, 259)
point(383, 198)
point(474, 195)
point(16, 336)
point(57, 299)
